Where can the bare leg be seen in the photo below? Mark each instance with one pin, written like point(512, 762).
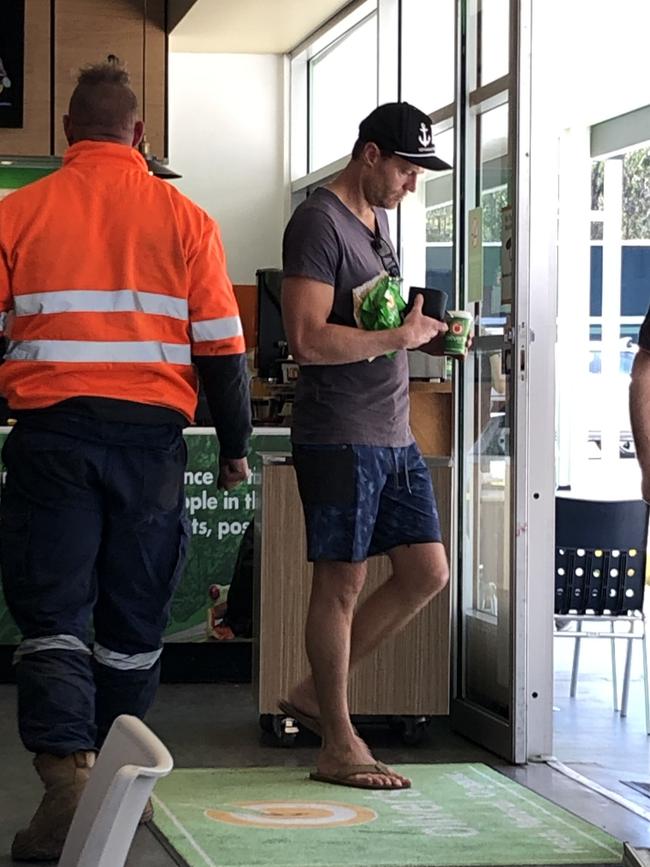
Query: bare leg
point(420, 572)
point(337, 638)
point(335, 590)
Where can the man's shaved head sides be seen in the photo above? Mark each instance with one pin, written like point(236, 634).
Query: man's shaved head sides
point(103, 107)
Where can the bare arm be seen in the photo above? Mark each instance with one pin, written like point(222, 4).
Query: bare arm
point(306, 305)
point(640, 416)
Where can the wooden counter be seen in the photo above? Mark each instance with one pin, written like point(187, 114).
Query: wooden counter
point(431, 416)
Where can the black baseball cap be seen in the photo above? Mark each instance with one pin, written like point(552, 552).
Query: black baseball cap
point(405, 131)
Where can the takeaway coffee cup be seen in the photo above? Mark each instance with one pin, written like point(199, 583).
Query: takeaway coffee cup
point(434, 303)
point(459, 324)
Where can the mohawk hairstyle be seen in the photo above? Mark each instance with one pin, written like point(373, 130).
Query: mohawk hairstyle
point(103, 100)
point(104, 73)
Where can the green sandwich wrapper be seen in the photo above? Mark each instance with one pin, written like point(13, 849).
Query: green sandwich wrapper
point(382, 306)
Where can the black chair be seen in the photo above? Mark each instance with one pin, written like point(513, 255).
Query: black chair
point(600, 563)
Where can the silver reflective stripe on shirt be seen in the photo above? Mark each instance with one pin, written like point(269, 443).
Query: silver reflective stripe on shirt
point(216, 329)
point(124, 661)
point(89, 351)
point(92, 301)
point(49, 642)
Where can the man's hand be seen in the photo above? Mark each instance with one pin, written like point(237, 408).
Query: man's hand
point(232, 472)
point(419, 329)
point(436, 347)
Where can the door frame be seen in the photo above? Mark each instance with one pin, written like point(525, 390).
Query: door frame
point(528, 732)
point(541, 232)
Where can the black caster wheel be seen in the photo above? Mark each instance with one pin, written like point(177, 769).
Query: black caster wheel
point(414, 730)
point(285, 730)
point(266, 723)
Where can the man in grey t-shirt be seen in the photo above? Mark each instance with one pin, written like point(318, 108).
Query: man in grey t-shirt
point(364, 486)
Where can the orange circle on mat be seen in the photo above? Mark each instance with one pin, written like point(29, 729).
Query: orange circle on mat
point(293, 814)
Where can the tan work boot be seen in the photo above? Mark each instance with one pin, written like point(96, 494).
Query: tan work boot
point(64, 780)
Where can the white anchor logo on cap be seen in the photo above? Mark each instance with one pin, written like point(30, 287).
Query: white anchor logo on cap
point(426, 136)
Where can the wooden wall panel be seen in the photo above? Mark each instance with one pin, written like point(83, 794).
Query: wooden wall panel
point(34, 137)
point(85, 32)
point(155, 95)
point(431, 416)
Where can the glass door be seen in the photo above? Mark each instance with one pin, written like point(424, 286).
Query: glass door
point(489, 699)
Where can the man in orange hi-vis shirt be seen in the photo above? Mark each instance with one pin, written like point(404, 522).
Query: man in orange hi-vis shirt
point(116, 294)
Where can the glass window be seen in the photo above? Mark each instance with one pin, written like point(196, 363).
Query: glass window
point(613, 345)
point(487, 416)
point(494, 29)
point(426, 220)
point(494, 176)
point(427, 225)
point(636, 195)
point(343, 90)
point(487, 519)
point(428, 34)
point(439, 217)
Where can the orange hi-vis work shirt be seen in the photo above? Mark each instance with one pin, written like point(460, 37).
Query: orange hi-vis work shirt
point(111, 280)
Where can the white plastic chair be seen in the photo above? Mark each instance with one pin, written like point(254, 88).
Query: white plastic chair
point(104, 824)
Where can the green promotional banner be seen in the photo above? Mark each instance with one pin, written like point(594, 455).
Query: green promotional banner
point(218, 520)
point(475, 256)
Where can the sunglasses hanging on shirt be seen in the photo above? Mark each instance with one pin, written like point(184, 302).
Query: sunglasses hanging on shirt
point(385, 252)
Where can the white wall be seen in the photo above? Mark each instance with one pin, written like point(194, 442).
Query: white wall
point(226, 122)
point(598, 58)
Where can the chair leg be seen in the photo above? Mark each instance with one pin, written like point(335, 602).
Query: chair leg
point(646, 684)
point(614, 672)
point(576, 662)
point(626, 673)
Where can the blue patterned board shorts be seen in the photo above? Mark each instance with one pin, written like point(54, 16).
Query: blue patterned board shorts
point(364, 500)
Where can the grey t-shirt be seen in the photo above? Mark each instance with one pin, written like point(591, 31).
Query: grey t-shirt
point(365, 402)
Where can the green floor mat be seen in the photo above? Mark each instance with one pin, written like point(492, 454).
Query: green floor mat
point(459, 815)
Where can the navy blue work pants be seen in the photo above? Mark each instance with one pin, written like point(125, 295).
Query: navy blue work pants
point(92, 533)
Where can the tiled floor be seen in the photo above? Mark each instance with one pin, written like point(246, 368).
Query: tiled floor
point(217, 726)
point(590, 736)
